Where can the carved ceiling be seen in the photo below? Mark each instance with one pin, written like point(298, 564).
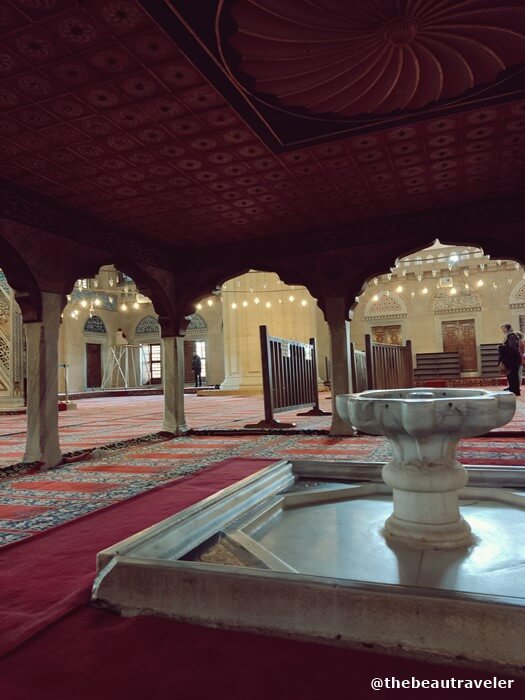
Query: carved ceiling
point(374, 57)
point(102, 111)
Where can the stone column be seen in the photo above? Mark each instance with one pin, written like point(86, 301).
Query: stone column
point(42, 442)
point(173, 382)
point(339, 327)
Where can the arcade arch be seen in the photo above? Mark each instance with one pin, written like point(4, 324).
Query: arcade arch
point(454, 297)
point(101, 312)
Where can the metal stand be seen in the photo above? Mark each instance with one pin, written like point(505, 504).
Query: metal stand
point(69, 405)
point(120, 362)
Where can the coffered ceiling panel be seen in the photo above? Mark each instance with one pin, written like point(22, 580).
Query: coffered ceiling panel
point(123, 115)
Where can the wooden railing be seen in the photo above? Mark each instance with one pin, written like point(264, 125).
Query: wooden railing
point(388, 366)
point(289, 371)
point(358, 369)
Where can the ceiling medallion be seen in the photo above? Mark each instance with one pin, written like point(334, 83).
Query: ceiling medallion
point(338, 59)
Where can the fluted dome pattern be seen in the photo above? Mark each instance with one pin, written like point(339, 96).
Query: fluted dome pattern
point(373, 56)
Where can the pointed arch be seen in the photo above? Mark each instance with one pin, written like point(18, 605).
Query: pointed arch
point(95, 324)
point(147, 326)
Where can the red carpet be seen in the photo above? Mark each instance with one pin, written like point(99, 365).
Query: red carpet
point(92, 654)
point(57, 648)
point(52, 573)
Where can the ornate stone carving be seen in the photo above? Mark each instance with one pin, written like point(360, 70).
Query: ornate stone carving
point(517, 297)
point(445, 303)
point(387, 306)
point(95, 325)
point(147, 326)
point(197, 326)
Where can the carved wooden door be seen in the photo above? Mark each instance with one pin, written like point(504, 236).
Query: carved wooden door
point(460, 336)
point(93, 365)
point(390, 335)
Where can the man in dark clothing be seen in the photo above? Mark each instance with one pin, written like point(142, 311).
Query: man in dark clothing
point(510, 357)
point(196, 367)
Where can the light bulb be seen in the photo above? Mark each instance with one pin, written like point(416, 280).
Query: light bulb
point(234, 306)
point(245, 303)
point(256, 300)
point(304, 302)
point(424, 290)
point(376, 281)
point(412, 294)
point(291, 297)
point(136, 305)
point(399, 289)
point(198, 307)
point(83, 303)
point(111, 282)
point(479, 283)
point(123, 307)
point(210, 302)
point(453, 291)
point(375, 297)
point(97, 302)
point(268, 304)
point(72, 314)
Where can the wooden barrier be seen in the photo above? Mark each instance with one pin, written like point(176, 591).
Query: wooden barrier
point(388, 366)
point(358, 369)
point(289, 371)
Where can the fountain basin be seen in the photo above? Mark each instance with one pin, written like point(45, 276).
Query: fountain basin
point(423, 426)
point(297, 550)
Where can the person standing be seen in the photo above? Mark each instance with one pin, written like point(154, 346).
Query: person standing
point(196, 367)
point(510, 358)
point(522, 353)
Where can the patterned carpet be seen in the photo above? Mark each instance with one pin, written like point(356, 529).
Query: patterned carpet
point(103, 421)
point(32, 503)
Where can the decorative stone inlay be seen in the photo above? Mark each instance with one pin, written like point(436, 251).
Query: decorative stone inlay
point(517, 297)
point(5, 353)
point(148, 326)
point(94, 325)
point(445, 303)
point(107, 301)
point(18, 345)
point(4, 284)
point(387, 306)
point(197, 323)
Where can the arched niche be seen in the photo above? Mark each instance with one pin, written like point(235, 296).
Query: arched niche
point(94, 326)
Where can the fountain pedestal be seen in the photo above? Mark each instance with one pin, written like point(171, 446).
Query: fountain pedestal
point(424, 427)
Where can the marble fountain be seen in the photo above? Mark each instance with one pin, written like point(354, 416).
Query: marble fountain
point(402, 556)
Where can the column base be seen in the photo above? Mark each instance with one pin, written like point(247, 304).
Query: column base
point(176, 430)
point(429, 536)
